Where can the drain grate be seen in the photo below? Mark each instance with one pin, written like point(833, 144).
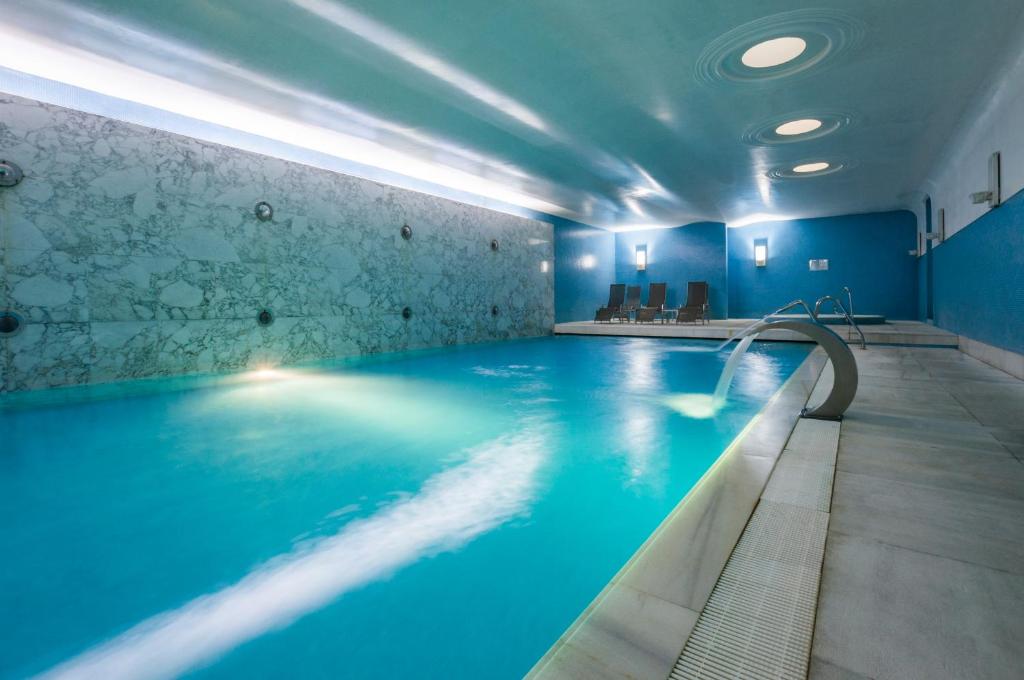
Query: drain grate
point(759, 619)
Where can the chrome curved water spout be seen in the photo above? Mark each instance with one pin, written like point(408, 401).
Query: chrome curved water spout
point(844, 386)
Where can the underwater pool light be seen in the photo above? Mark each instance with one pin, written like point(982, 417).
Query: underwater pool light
point(811, 167)
point(774, 52)
point(266, 373)
point(798, 127)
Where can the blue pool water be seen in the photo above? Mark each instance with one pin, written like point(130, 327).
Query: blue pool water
point(443, 514)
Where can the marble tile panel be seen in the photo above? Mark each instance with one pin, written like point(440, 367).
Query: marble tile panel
point(207, 345)
point(43, 215)
point(124, 350)
point(48, 355)
point(300, 291)
point(182, 229)
point(47, 286)
point(127, 288)
point(154, 233)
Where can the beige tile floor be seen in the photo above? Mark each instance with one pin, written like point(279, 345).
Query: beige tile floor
point(924, 564)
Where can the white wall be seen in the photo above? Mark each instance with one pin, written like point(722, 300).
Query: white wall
point(995, 122)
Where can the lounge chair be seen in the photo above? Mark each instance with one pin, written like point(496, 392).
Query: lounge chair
point(616, 295)
point(655, 306)
point(632, 302)
point(696, 307)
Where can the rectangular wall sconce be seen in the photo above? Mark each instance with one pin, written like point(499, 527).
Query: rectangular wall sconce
point(544, 266)
point(760, 252)
point(994, 195)
point(641, 258)
point(818, 265)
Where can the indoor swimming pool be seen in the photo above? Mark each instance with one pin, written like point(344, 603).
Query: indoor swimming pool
point(444, 513)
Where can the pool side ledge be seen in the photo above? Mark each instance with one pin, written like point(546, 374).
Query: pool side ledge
point(637, 626)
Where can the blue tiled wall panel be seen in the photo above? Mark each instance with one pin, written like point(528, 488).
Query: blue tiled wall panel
point(868, 253)
point(584, 268)
point(979, 278)
point(695, 252)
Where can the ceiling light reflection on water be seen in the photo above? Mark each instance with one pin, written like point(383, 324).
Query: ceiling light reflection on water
point(293, 521)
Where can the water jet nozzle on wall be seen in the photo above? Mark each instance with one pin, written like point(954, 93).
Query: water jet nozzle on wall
point(10, 173)
point(264, 211)
point(10, 324)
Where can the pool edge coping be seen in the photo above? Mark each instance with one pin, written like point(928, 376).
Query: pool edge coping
point(640, 621)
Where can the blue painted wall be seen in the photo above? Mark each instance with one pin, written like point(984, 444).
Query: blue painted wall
point(695, 252)
point(979, 278)
point(868, 253)
point(584, 268)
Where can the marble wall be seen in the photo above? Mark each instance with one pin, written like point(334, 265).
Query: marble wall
point(132, 252)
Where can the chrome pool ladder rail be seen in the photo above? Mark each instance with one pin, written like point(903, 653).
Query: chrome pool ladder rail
point(837, 305)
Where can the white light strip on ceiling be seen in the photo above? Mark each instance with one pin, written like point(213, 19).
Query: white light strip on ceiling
point(41, 57)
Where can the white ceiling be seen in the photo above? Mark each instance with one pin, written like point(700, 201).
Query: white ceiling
point(618, 114)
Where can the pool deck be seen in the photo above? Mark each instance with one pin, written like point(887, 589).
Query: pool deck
point(892, 332)
point(924, 564)
point(888, 546)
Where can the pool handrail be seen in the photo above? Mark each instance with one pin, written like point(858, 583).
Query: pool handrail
point(837, 305)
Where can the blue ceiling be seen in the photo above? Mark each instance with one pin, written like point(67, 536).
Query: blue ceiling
point(618, 114)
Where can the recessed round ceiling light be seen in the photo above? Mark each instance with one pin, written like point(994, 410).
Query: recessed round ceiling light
point(798, 127)
point(811, 167)
point(774, 52)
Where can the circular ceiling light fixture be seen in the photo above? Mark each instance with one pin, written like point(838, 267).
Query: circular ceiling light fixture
point(798, 127)
point(809, 168)
point(774, 52)
point(779, 46)
point(805, 168)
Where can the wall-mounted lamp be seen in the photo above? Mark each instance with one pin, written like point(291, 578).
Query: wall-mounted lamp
point(641, 257)
point(993, 196)
point(545, 266)
point(760, 252)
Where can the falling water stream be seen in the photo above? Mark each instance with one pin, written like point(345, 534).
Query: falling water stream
point(707, 405)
